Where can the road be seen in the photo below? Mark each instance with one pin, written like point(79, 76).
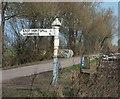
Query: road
point(39, 68)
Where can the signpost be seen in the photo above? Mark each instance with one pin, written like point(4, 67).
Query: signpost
point(48, 32)
point(37, 32)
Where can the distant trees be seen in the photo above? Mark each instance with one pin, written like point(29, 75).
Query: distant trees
point(119, 45)
point(84, 28)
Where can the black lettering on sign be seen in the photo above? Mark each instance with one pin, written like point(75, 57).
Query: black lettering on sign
point(26, 30)
point(50, 34)
point(25, 34)
point(35, 30)
point(42, 30)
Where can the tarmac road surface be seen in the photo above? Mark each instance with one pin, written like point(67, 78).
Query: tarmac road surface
point(39, 68)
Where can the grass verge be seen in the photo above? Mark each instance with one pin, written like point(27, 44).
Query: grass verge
point(42, 87)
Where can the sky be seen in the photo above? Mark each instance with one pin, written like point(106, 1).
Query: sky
point(114, 6)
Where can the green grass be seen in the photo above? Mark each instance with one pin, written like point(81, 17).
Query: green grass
point(93, 61)
point(72, 68)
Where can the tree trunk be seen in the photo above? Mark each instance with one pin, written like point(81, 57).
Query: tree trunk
point(3, 7)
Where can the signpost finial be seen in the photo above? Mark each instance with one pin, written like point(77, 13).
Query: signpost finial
point(56, 22)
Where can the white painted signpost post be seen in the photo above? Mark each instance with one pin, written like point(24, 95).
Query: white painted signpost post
point(48, 32)
point(55, 25)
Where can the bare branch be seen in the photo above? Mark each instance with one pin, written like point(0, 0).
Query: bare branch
point(9, 17)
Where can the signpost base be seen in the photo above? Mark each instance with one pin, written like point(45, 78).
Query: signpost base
point(55, 71)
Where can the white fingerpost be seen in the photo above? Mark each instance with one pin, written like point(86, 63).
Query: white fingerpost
point(48, 32)
point(55, 25)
